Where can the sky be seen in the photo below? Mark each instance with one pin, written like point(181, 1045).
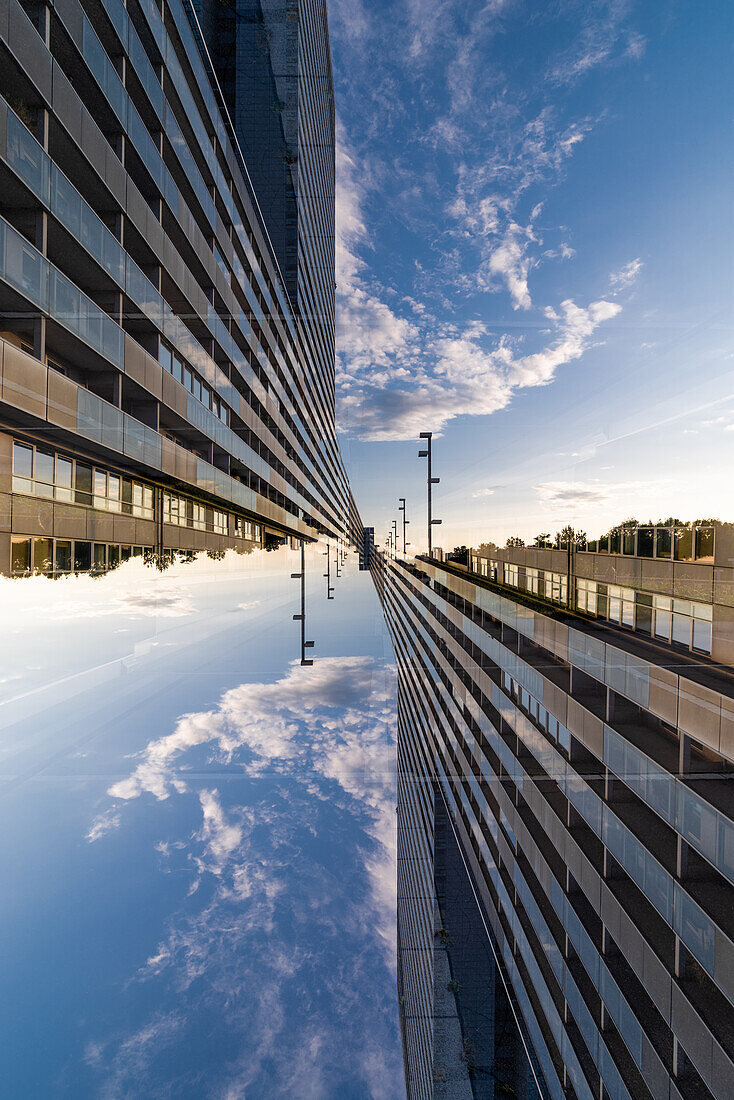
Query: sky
point(534, 261)
point(197, 835)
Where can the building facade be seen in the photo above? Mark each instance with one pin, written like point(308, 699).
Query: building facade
point(586, 766)
point(162, 383)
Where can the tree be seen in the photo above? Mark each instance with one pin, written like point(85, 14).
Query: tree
point(460, 554)
point(542, 540)
point(568, 535)
point(486, 548)
point(515, 540)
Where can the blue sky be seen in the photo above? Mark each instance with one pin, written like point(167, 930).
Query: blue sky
point(535, 260)
point(198, 836)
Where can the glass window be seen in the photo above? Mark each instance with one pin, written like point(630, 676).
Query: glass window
point(615, 542)
point(662, 624)
point(44, 474)
point(682, 630)
point(188, 379)
point(137, 551)
point(113, 492)
point(113, 556)
point(164, 357)
point(197, 388)
point(127, 496)
point(125, 552)
point(64, 478)
point(683, 544)
point(100, 556)
point(43, 555)
point(100, 489)
point(702, 635)
point(63, 556)
point(83, 484)
point(704, 544)
point(20, 555)
point(663, 542)
point(628, 542)
point(564, 737)
point(177, 369)
point(82, 556)
point(22, 460)
point(645, 542)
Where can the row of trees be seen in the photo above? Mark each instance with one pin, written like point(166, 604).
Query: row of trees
point(568, 534)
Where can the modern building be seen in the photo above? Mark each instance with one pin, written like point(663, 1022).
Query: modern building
point(583, 748)
point(366, 548)
point(166, 343)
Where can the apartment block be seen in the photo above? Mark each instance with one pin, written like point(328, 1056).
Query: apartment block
point(584, 754)
point(164, 384)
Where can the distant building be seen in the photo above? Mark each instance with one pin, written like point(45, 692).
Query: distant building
point(366, 548)
point(575, 713)
point(166, 282)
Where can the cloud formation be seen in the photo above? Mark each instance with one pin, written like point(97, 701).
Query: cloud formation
point(275, 946)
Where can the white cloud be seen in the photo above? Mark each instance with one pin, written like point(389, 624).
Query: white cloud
point(466, 378)
point(620, 280)
point(483, 493)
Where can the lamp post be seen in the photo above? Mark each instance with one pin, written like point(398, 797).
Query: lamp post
point(302, 616)
point(327, 574)
point(428, 436)
point(401, 506)
point(395, 535)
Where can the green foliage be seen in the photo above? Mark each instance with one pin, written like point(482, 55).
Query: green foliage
point(514, 540)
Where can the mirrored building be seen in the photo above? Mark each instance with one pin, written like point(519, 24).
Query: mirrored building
point(166, 337)
point(572, 709)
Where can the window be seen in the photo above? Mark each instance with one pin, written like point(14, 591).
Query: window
point(44, 474)
point(20, 555)
point(586, 596)
point(22, 468)
point(238, 527)
point(177, 369)
point(621, 605)
point(83, 484)
point(198, 517)
point(220, 522)
point(100, 489)
point(82, 556)
point(683, 622)
point(113, 493)
point(100, 556)
point(43, 555)
point(165, 358)
point(63, 556)
point(531, 580)
point(64, 478)
point(511, 574)
point(704, 544)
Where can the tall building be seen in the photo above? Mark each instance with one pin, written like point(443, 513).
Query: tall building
point(574, 709)
point(166, 339)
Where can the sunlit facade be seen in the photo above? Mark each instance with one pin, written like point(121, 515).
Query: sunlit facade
point(585, 757)
point(164, 383)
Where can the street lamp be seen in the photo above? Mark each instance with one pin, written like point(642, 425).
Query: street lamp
point(428, 436)
point(401, 507)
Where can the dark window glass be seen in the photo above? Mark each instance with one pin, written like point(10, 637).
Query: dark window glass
point(604, 544)
point(22, 460)
point(188, 379)
point(137, 551)
point(663, 542)
point(125, 552)
point(21, 555)
point(615, 542)
point(100, 555)
point(682, 543)
point(83, 484)
point(63, 556)
point(82, 556)
point(704, 544)
point(43, 555)
point(177, 369)
point(645, 542)
point(628, 542)
point(127, 496)
point(113, 557)
point(643, 605)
